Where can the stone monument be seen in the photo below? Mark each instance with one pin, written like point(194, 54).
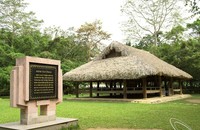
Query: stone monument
point(36, 88)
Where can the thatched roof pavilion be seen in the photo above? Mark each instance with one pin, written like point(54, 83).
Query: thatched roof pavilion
point(119, 62)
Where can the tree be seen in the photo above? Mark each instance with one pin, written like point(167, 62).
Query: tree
point(148, 40)
point(149, 17)
point(195, 26)
point(56, 31)
point(7, 60)
point(181, 52)
point(92, 34)
point(194, 5)
point(19, 35)
point(15, 19)
point(175, 35)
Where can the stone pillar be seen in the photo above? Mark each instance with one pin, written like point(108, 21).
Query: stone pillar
point(36, 83)
point(29, 114)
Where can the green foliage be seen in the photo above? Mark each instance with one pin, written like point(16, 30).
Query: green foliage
point(7, 60)
point(91, 35)
point(194, 5)
point(176, 49)
point(20, 36)
point(175, 35)
point(14, 18)
point(195, 26)
point(66, 49)
point(5, 80)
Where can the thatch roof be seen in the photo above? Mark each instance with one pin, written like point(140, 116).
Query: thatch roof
point(119, 61)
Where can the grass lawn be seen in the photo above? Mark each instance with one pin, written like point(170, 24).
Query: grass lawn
point(120, 115)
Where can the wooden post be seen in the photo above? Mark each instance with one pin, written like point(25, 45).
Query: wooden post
point(180, 86)
point(111, 85)
point(97, 88)
point(170, 89)
point(171, 86)
point(166, 88)
point(124, 89)
point(91, 89)
point(120, 86)
point(160, 85)
point(115, 88)
point(77, 90)
point(144, 87)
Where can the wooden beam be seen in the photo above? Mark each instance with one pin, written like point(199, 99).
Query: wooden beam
point(153, 91)
point(124, 89)
point(91, 89)
point(98, 88)
point(144, 87)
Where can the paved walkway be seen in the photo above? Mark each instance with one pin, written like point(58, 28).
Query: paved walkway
point(162, 99)
point(147, 101)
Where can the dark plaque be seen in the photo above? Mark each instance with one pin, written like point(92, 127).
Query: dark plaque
point(43, 81)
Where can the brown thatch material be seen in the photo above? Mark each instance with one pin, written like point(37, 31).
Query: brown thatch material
point(119, 61)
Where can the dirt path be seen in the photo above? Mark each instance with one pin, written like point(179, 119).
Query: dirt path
point(193, 101)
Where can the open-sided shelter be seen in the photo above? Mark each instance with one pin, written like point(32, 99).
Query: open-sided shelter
point(127, 71)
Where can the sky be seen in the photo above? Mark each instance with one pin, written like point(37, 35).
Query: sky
point(74, 13)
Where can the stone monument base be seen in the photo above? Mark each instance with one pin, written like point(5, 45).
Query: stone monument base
point(51, 125)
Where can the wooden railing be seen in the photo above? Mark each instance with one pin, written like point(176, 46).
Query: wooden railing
point(120, 90)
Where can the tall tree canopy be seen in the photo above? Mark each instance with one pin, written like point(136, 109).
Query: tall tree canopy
point(14, 18)
point(20, 35)
point(179, 51)
point(195, 26)
point(194, 5)
point(149, 17)
point(92, 34)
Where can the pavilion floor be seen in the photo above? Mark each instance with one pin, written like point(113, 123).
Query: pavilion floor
point(152, 100)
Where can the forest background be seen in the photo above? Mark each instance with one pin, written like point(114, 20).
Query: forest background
point(21, 35)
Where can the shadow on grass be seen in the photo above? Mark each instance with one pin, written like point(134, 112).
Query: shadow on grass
point(72, 127)
point(4, 97)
